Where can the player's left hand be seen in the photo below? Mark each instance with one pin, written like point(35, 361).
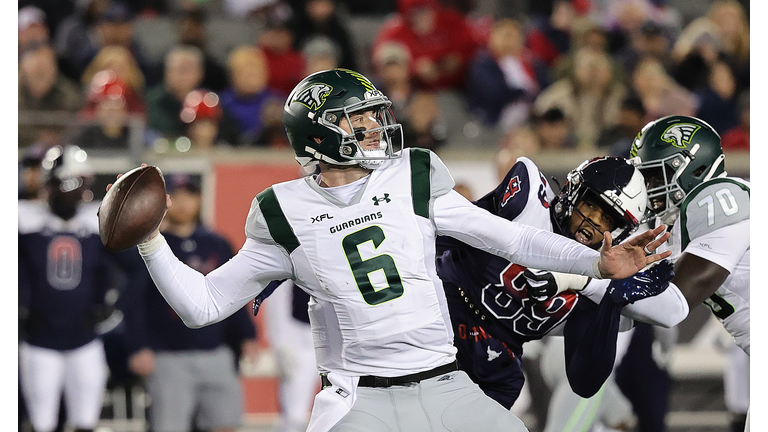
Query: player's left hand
point(642, 285)
point(625, 259)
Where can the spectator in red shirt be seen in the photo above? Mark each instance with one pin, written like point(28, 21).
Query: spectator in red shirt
point(737, 138)
point(504, 77)
point(441, 42)
point(285, 63)
point(551, 36)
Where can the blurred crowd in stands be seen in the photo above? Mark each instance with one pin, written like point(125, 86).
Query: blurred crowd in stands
point(554, 74)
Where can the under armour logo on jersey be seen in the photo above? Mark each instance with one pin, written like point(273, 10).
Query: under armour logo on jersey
point(313, 97)
point(680, 135)
point(492, 355)
point(513, 187)
point(377, 200)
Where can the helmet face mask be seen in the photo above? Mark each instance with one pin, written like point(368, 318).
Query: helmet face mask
point(318, 108)
point(590, 218)
point(675, 154)
point(601, 194)
point(352, 147)
point(664, 194)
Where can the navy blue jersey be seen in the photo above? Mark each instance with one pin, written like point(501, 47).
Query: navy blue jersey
point(150, 320)
point(494, 284)
point(491, 313)
point(489, 361)
point(299, 304)
point(64, 273)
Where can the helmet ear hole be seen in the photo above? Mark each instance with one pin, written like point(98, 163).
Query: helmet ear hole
point(699, 171)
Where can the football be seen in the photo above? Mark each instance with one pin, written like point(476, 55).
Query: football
point(132, 208)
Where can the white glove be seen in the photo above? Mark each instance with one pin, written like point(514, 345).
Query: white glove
point(543, 285)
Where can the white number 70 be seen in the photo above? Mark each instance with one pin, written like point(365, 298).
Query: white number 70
point(727, 203)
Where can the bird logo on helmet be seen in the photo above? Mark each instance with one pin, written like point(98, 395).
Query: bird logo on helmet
point(313, 97)
point(680, 134)
point(314, 111)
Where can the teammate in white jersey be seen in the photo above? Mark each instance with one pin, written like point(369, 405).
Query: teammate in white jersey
point(684, 167)
point(359, 237)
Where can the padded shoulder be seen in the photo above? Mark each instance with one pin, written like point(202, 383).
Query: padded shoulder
point(32, 215)
point(429, 179)
point(712, 205)
point(440, 179)
point(266, 222)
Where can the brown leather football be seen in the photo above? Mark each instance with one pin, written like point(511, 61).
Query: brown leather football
point(132, 208)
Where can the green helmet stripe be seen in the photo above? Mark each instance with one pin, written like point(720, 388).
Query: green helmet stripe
point(420, 187)
point(279, 227)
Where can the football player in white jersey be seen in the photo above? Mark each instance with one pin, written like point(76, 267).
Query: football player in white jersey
point(688, 189)
point(684, 167)
point(359, 237)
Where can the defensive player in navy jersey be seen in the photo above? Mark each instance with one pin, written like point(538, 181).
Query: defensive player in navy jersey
point(64, 275)
point(168, 354)
point(490, 298)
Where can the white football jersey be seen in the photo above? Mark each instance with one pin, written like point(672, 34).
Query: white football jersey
point(378, 307)
point(714, 224)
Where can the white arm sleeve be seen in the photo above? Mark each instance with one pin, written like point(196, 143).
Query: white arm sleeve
point(456, 217)
point(667, 309)
point(201, 300)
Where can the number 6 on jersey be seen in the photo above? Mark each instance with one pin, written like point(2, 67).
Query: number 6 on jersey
point(363, 269)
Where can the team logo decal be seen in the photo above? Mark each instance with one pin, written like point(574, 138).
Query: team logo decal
point(513, 187)
point(313, 97)
point(377, 200)
point(370, 94)
point(680, 135)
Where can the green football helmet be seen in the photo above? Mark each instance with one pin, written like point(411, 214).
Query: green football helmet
point(675, 154)
point(315, 108)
